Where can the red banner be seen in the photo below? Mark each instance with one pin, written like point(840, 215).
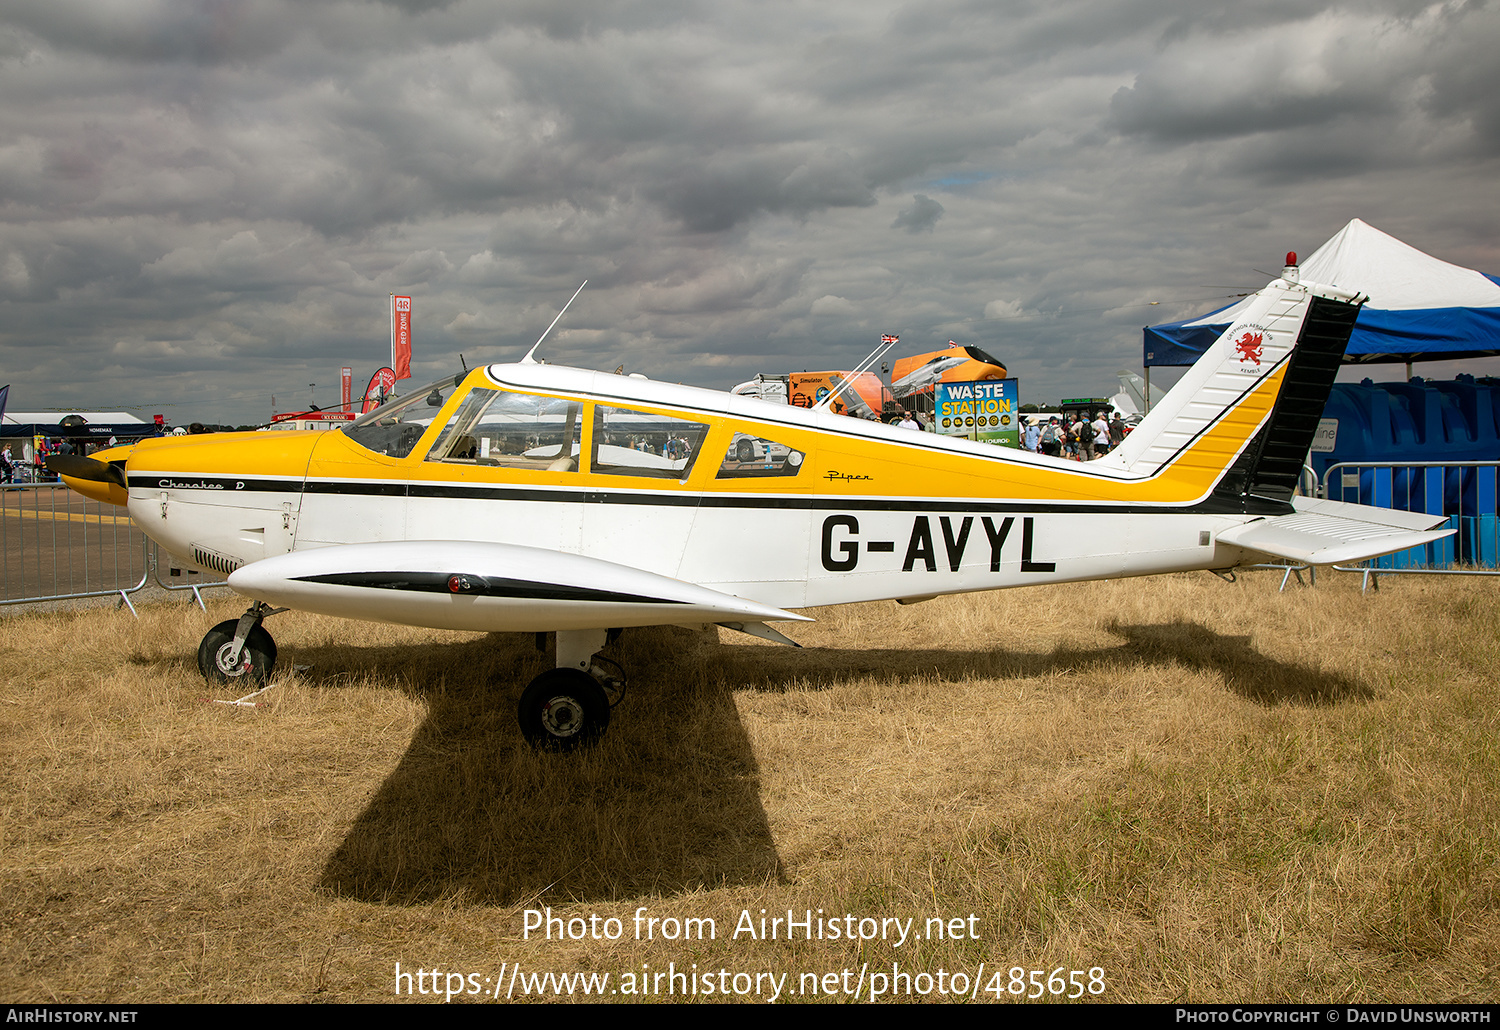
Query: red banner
point(346, 384)
point(401, 336)
point(381, 384)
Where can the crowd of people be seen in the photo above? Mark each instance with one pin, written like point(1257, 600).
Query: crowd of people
point(1088, 437)
point(31, 467)
point(1084, 438)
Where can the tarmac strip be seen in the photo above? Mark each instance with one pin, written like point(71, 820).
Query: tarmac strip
point(67, 516)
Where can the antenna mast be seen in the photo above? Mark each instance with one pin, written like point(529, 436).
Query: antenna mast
point(528, 359)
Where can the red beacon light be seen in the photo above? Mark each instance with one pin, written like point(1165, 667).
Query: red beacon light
point(1290, 273)
point(1291, 257)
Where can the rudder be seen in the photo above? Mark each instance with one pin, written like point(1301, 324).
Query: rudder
point(1243, 417)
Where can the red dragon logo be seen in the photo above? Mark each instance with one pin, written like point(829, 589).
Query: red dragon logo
point(1248, 347)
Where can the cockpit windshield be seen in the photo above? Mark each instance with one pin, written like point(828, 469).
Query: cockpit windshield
point(394, 428)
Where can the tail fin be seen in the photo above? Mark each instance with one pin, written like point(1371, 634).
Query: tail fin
point(1132, 398)
point(1244, 416)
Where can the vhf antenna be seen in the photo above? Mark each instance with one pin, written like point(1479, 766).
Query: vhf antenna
point(528, 359)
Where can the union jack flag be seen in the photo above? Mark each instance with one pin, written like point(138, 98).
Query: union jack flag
point(889, 339)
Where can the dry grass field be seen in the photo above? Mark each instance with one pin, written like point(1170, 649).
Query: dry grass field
point(1203, 791)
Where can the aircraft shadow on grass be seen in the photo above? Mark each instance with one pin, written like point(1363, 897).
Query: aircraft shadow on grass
point(1254, 676)
point(669, 802)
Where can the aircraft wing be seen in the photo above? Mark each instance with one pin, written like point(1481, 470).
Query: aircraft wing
point(492, 587)
point(1331, 532)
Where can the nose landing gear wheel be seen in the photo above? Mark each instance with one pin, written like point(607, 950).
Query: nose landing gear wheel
point(257, 658)
point(563, 709)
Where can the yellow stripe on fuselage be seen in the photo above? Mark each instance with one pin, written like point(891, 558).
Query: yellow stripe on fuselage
point(281, 454)
point(837, 464)
point(934, 472)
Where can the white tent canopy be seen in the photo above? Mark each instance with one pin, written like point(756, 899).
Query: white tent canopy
point(1420, 308)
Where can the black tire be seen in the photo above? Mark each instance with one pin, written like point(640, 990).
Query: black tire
point(257, 659)
point(745, 451)
point(563, 709)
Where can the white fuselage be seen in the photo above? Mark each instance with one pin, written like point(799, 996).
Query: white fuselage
point(800, 547)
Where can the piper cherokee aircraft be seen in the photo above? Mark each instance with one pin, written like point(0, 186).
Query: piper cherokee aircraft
point(538, 498)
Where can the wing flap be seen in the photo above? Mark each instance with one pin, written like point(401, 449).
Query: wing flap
point(1330, 532)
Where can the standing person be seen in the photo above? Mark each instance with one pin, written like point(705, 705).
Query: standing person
point(1052, 438)
point(1085, 431)
point(907, 422)
point(7, 470)
point(1100, 429)
point(1116, 431)
point(1032, 437)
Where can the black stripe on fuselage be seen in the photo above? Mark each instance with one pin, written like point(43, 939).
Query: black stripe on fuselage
point(479, 586)
point(222, 485)
point(1211, 505)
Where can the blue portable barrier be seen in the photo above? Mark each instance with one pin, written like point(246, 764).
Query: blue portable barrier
point(1412, 423)
point(1415, 441)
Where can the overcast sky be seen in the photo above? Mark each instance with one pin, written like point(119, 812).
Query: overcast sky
point(205, 203)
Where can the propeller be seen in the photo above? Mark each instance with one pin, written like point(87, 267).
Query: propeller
point(92, 469)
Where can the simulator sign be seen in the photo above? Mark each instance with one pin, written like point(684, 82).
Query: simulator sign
point(985, 411)
point(862, 398)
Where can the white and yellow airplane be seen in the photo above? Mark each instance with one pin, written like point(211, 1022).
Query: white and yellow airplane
point(537, 498)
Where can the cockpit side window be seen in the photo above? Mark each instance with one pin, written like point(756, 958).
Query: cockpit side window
point(754, 457)
point(639, 443)
point(394, 428)
point(512, 430)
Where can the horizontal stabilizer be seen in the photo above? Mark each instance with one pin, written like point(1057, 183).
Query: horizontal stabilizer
point(1331, 532)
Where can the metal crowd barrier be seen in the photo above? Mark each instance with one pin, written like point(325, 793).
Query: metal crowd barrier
point(1465, 491)
point(56, 545)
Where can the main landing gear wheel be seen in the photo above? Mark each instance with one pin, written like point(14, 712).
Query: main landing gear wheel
point(563, 709)
point(257, 657)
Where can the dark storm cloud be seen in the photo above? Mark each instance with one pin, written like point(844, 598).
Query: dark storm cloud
point(920, 217)
point(205, 32)
point(1465, 78)
point(714, 196)
point(1376, 69)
